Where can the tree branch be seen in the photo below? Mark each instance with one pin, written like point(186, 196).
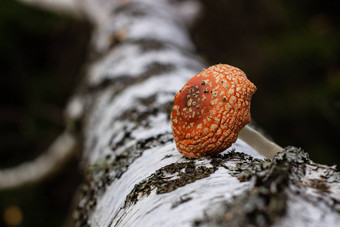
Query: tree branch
point(71, 7)
point(50, 162)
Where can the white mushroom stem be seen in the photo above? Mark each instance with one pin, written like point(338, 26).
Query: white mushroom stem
point(259, 142)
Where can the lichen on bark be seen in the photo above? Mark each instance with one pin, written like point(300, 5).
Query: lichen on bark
point(266, 201)
point(175, 175)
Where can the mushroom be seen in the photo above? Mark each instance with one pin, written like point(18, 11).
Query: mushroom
point(212, 110)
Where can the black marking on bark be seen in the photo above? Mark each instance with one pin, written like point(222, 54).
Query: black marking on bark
point(150, 107)
point(119, 83)
point(147, 45)
point(126, 137)
point(266, 202)
point(181, 200)
point(158, 68)
point(187, 172)
point(263, 205)
point(148, 101)
point(247, 167)
point(184, 173)
point(105, 171)
point(142, 110)
point(260, 206)
point(331, 174)
point(130, 10)
point(121, 163)
point(319, 185)
point(167, 156)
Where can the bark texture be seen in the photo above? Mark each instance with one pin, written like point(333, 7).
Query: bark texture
point(144, 55)
point(136, 176)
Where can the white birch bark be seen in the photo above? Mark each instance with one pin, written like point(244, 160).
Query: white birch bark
point(136, 176)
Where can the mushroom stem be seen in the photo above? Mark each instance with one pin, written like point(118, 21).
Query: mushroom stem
point(260, 143)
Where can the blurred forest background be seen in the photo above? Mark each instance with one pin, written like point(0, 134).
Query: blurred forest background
point(289, 49)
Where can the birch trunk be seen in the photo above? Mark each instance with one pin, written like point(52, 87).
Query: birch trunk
point(135, 174)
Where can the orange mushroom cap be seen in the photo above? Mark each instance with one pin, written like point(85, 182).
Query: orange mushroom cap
point(210, 110)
